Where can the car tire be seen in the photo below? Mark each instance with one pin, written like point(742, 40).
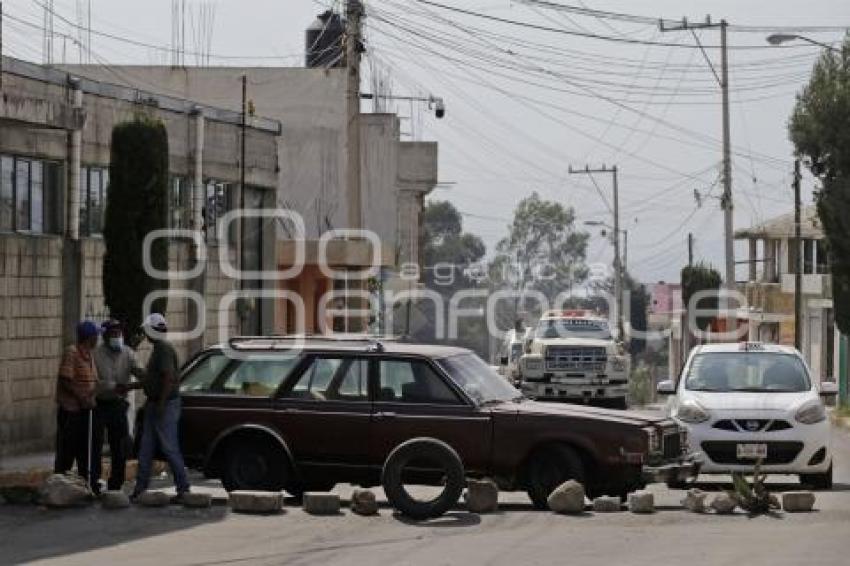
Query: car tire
point(818, 481)
point(549, 469)
point(423, 449)
point(256, 465)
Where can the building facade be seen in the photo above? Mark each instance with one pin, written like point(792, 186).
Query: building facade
point(770, 290)
point(310, 103)
point(55, 131)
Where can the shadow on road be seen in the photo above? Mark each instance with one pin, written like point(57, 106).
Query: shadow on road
point(450, 519)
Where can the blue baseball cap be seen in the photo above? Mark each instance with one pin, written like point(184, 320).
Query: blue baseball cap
point(86, 329)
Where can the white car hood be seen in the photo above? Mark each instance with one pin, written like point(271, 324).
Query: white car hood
point(743, 401)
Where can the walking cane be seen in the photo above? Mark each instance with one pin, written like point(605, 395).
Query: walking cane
point(88, 452)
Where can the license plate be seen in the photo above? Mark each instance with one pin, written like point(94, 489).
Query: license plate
point(752, 451)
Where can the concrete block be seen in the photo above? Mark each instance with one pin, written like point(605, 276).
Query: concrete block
point(197, 500)
point(153, 499)
point(363, 502)
point(607, 504)
point(567, 498)
point(321, 503)
point(114, 500)
point(694, 500)
point(482, 496)
point(798, 501)
point(256, 501)
point(641, 502)
point(723, 504)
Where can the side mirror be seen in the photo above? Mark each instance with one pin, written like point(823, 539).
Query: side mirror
point(828, 389)
point(503, 360)
point(666, 387)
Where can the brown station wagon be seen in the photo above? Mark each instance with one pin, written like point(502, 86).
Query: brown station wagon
point(260, 414)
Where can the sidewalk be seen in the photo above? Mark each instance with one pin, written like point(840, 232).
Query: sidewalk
point(26, 470)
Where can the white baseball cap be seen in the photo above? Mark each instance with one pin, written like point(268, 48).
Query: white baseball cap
point(155, 321)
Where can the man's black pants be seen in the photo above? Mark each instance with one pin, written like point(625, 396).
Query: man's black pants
point(110, 417)
point(72, 441)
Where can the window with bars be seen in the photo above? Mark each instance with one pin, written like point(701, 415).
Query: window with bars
point(179, 203)
point(29, 195)
point(217, 202)
point(93, 187)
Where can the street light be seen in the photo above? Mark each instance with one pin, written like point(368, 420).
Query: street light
point(780, 38)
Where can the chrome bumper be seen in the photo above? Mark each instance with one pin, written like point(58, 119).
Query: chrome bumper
point(685, 469)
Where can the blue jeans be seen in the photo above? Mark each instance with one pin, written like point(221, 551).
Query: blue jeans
point(163, 431)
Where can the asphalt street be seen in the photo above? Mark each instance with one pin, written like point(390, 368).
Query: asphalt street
point(515, 535)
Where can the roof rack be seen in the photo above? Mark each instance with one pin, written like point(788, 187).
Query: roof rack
point(283, 342)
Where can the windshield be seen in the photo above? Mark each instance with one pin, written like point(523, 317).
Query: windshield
point(516, 352)
point(477, 379)
point(573, 328)
point(747, 371)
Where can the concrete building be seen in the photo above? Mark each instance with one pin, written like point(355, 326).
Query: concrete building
point(310, 103)
point(55, 133)
point(770, 290)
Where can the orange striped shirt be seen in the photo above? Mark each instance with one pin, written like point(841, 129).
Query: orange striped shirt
point(77, 379)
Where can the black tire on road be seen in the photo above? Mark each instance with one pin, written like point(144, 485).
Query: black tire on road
point(818, 481)
point(550, 468)
point(434, 452)
point(254, 464)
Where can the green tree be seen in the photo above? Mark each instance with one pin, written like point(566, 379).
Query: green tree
point(638, 307)
point(543, 251)
point(820, 131)
point(450, 258)
point(137, 205)
point(700, 277)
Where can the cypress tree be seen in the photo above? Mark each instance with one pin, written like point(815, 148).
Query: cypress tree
point(137, 204)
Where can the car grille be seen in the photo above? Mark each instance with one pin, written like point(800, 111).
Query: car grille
point(577, 358)
point(672, 445)
point(751, 425)
point(726, 452)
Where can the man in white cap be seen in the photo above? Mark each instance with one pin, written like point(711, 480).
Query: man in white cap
point(162, 410)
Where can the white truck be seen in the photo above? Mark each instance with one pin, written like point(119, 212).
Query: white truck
point(510, 353)
point(571, 356)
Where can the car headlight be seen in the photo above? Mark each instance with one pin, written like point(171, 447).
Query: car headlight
point(533, 364)
point(811, 413)
point(691, 412)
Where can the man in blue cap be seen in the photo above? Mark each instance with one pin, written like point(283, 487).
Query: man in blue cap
point(75, 390)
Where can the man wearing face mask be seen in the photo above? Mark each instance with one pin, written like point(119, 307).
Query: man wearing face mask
point(115, 363)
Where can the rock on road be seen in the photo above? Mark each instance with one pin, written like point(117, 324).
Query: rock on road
point(516, 534)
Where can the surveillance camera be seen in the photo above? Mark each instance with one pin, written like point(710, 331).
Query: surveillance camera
point(439, 107)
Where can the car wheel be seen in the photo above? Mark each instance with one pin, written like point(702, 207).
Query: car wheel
point(818, 481)
point(549, 469)
point(429, 453)
point(252, 464)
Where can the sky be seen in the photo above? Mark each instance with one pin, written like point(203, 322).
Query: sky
point(526, 102)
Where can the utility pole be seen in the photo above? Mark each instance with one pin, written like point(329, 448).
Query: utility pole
point(798, 262)
point(723, 81)
point(353, 48)
point(690, 249)
point(241, 220)
point(625, 251)
point(618, 271)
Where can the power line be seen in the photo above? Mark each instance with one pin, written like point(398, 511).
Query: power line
point(538, 27)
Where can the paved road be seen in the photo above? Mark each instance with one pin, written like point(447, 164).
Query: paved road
point(515, 535)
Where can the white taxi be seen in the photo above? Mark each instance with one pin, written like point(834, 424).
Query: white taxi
point(745, 402)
